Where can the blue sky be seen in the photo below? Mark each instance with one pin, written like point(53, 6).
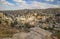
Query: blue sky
point(28, 4)
point(11, 1)
point(43, 1)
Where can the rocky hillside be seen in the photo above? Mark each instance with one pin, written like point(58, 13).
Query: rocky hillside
point(17, 21)
point(49, 11)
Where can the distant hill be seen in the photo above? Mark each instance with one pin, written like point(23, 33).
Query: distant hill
point(52, 10)
point(25, 11)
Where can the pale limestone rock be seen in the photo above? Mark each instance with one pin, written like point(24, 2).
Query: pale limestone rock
point(35, 33)
point(21, 35)
point(38, 33)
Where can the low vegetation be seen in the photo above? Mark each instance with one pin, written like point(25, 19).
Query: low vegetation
point(11, 24)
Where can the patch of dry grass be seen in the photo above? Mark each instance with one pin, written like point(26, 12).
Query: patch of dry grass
point(7, 31)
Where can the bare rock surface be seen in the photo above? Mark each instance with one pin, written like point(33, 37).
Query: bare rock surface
point(35, 33)
point(21, 35)
point(38, 33)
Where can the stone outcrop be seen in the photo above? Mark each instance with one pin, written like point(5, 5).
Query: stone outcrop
point(35, 33)
point(38, 33)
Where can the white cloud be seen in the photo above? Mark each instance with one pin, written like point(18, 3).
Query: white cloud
point(49, 0)
point(5, 5)
point(4, 2)
point(21, 4)
point(18, 0)
point(43, 5)
point(36, 5)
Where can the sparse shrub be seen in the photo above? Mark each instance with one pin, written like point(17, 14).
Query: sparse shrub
point(12, 25)
point(0, 22)
point(57, 15)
